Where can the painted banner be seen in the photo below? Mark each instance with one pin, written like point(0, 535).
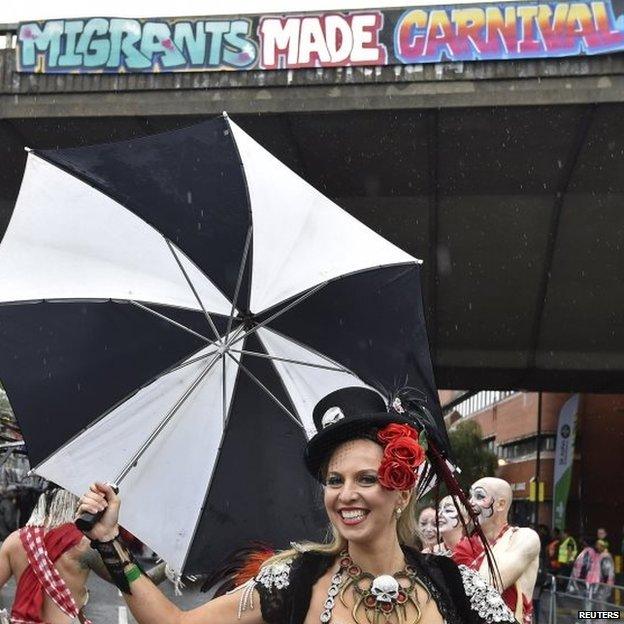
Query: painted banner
point(564, 458)
point(441, 33)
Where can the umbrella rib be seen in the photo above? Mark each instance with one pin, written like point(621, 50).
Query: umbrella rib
point(177, 367)
point(235, 334)
point(277, 314)
point(170, 320)
point(163, 423)
point(290, 361)
point(223, 389)
point(307, 347)
point(263, 387)
point(188, 280)
point(239, 281)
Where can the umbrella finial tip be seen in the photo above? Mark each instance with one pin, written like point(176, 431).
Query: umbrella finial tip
point(225, 115)
point(28, 149)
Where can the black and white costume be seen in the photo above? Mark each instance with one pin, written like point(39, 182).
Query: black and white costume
point(461, 595)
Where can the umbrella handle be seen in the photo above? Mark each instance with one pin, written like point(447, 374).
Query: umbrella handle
point(86, 521)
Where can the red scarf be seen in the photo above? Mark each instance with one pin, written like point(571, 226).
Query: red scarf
point(30, 592)
point(470, 552)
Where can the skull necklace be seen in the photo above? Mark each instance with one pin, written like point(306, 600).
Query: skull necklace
point(382, 600)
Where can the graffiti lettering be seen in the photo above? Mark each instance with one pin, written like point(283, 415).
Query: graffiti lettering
point(424, 34)
point(321, 41)
point(523, 31)
point(111, 44)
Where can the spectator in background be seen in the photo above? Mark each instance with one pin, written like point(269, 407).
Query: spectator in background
point(427, 529)
point(602, 535)
point(602, 575)
point(552, 551)
point(583, 567)
point(566, 553)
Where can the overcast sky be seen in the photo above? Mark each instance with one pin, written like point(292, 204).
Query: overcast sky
point(12, 11)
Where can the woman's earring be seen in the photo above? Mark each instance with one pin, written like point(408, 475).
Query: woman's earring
point(398, 511)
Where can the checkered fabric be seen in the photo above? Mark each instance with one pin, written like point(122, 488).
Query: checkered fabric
point(47, 575)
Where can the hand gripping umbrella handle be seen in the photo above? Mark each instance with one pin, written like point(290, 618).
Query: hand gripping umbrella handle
point(86, 521)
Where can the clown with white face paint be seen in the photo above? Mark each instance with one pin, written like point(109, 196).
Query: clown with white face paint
point(515, 550)
point(450, 525)
point(482, 501)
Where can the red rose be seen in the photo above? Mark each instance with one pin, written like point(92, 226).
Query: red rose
point(394, 430)
point(396, 475)
point(405, 450)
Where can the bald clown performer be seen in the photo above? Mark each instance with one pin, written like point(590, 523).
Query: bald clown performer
point(515, 549)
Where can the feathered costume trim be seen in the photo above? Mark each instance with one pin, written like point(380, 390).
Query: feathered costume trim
point(238, 568)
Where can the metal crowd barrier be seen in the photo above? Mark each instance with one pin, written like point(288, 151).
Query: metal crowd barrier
point(564, 598)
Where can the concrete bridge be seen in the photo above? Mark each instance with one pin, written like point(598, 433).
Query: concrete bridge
point(506, 177)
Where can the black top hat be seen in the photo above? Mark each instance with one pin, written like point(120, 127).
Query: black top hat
point(344, 415)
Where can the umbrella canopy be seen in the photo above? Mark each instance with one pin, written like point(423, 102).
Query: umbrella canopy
point(172, 307)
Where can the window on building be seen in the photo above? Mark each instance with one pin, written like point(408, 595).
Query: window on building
point(490, 444)
point(528, 446)
point(482, 400)
point(548, 443)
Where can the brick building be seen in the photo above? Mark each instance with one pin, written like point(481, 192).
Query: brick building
point(509, 422)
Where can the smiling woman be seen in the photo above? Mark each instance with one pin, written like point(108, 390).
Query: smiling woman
point(373, 462)
point(427, 529)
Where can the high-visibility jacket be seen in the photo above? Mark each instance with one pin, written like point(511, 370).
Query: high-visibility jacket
point(567, 551)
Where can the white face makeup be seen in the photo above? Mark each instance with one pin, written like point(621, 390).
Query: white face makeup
point(448, 516)
point(482, 502)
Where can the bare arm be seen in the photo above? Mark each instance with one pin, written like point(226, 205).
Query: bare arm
point(514, 560)
point(147, 603)
point(5, 562)
point(150, 606)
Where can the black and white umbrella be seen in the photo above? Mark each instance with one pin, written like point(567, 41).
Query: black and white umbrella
point(171, 309)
